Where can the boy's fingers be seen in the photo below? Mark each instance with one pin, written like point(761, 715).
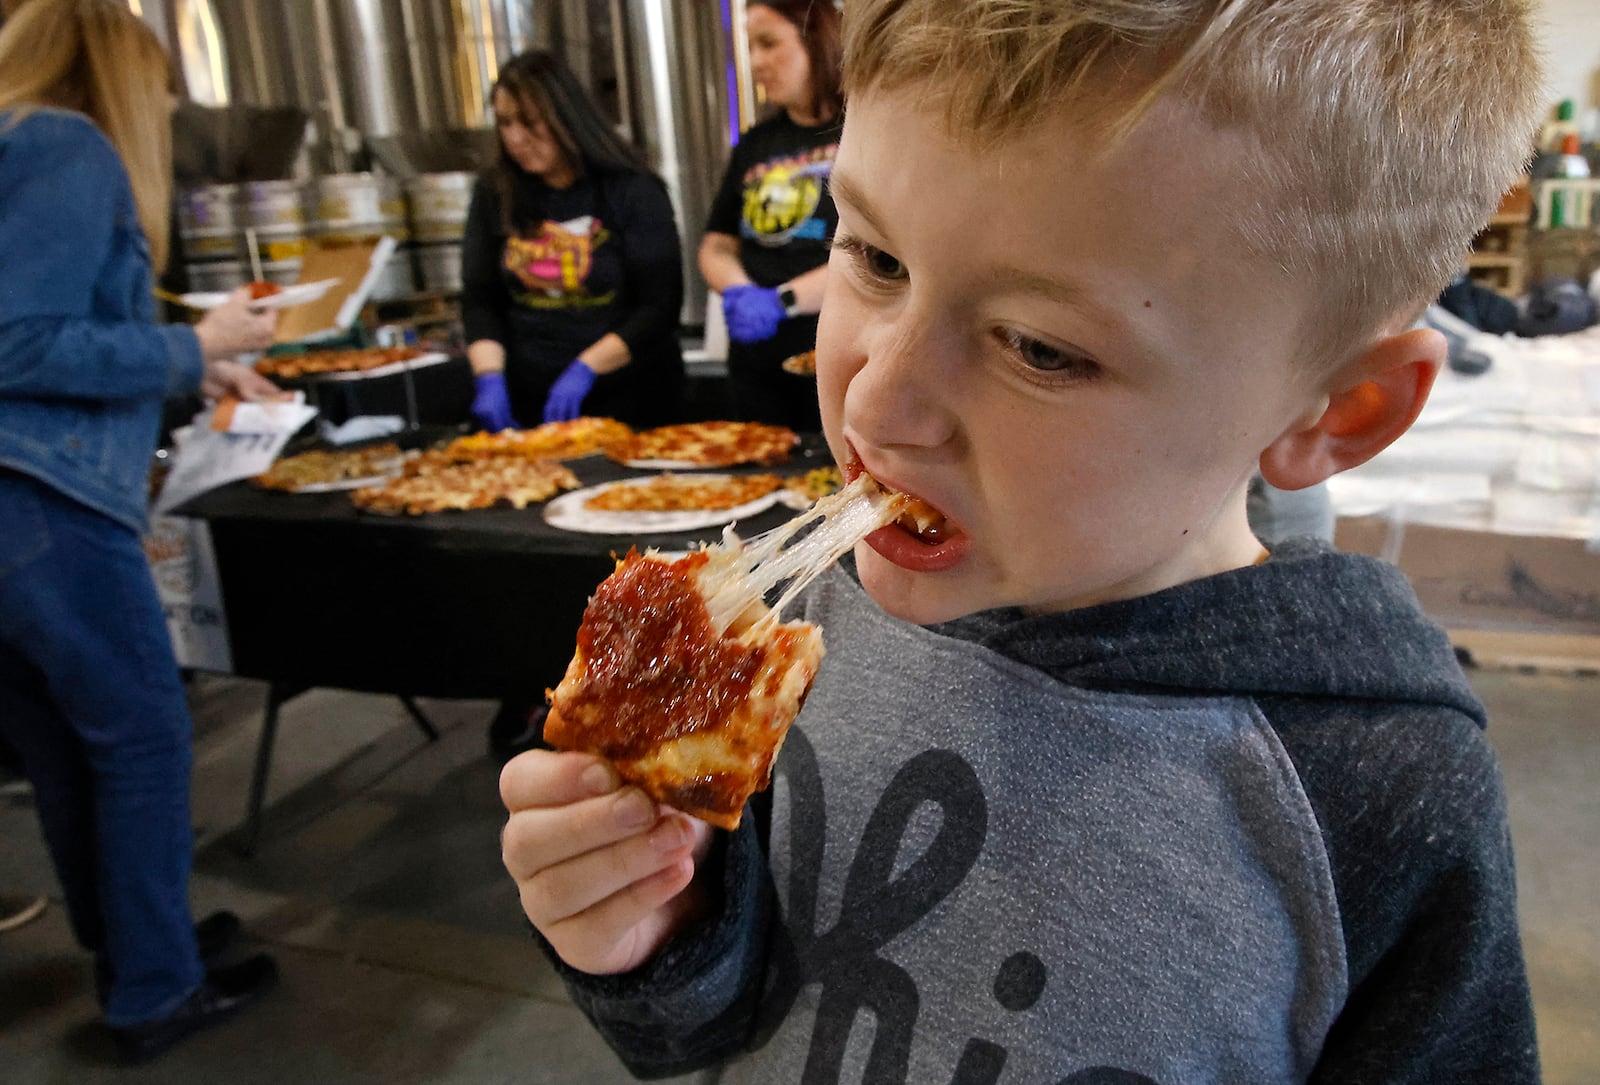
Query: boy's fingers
point(558, 893)
point(621, 931)
point(538, 838)
point(541, 778)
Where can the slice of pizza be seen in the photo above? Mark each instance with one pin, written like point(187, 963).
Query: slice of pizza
point(434, 482)
point(685, 679)
point(553, 440)
point(706, 444)
point(675, 493)
point(325, 467)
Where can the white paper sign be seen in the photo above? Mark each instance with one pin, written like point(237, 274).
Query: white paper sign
point(185, 570)
point(208, 458)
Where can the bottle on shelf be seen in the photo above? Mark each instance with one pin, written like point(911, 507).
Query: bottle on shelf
point(1569, 206)
point(1553, 136)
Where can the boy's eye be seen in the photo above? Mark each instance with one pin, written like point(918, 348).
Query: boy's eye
point(877, 263)
point(1048, 359)
point(883, 265)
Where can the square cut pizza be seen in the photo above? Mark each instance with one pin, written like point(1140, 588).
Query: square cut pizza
point(685, 679)
point(553, 440)
point(706, 444)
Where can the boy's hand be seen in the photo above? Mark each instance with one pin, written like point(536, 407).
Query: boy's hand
point(604, 872)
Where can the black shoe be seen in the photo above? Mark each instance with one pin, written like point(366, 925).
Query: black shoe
point(224, 993)
point(516, 730)
point(215, 935)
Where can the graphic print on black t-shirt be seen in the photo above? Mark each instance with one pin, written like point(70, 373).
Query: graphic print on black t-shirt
point(553, 264)
point(781, 196)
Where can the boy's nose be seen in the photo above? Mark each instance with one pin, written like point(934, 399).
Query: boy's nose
point(903, 394)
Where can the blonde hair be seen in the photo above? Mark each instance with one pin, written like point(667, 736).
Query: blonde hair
point(98, 57)
point(1382, 132)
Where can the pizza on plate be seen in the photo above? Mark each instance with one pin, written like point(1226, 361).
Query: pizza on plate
point(685, 679)
point(815, 484)
point(437, 482)
point(358, 360)
point(707, 444)
point(323, 467)
point(674, 493)
point(553, 440)
point(803, 364)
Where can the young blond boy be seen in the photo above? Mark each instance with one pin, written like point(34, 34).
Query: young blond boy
point(1090, 788)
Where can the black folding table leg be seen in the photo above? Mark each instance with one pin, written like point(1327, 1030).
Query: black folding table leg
point(421, 720)
point(277, 696)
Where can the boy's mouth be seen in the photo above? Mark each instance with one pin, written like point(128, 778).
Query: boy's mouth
point(924, 521)
point(922, 539)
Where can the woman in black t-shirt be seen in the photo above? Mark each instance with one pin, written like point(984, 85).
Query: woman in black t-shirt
point(571, 265)
point(767, 238)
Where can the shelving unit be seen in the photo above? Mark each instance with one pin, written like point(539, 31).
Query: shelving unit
point(1500, 255)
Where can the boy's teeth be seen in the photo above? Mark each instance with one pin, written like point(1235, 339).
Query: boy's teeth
point(920, 518)
point(924, 521)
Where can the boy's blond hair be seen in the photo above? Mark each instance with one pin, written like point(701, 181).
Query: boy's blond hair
point(1383, 132)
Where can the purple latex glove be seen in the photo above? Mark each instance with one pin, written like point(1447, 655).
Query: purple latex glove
point(752, 312)
point(491, 406)
point(565, 401)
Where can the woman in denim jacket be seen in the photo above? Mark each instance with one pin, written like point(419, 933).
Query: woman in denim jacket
point(90, 694)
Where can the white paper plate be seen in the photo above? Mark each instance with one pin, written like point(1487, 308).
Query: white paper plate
point(347, 483)
point(421, 361)
point(674, 465)
point(386, 470)
point(568, 513)
point(298, 294)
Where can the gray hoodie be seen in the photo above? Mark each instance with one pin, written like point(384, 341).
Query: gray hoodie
point(1247, 829)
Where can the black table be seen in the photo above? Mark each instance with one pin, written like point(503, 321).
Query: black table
point(460, 604)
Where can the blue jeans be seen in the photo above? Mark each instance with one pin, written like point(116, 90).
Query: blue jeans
point(91, 698)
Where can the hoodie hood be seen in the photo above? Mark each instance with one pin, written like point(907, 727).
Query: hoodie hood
point(1310, 623)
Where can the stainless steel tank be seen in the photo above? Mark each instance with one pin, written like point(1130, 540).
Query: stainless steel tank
point(682, 65)
point(403, 85)
point(368, 69)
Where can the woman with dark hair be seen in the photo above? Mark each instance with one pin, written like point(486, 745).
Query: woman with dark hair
point(572, 275)
point(766, 242)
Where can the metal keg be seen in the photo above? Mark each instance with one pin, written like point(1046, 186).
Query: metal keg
point(275, 212)
point(358, 205)
point(221, 276)
point(396, 279)
point(439, 266)
point(268, 205)
point(208, 223)
point(439, 204)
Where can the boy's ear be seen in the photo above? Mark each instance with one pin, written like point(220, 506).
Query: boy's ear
point(1368, 403)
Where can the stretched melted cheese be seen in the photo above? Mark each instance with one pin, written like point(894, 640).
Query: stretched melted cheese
point(685, 680)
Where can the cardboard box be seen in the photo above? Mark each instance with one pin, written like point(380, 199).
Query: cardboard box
point(1521, 600)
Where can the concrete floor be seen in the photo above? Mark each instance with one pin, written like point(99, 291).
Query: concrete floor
point(378, 886)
